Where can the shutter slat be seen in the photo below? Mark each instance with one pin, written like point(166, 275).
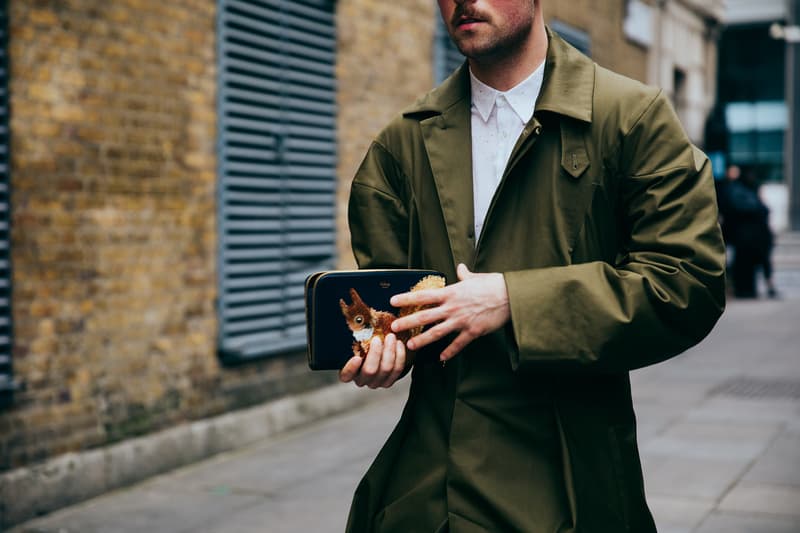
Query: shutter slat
point(298, 91)
point(297, 63)
point(261, 42)
point(242, 24)
point(259, 199)
point(282, 238)
point(253, 182)
point(274, 225)
point(323, 24)
point(257, 112)
point(275, 170)
point(263, 310)
point(317, 76)
point(239, 298)
point(259, 98)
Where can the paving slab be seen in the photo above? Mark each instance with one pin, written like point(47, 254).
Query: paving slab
point(713, 441)
point(678, 513)
point(762, 498)
point(727, 409)
point(688, 477)
point(727, 522)
point(779, 464)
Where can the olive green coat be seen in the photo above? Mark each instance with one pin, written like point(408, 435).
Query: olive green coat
point(605, 227)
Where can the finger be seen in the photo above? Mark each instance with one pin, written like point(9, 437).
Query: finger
point(420, 318)
point(399, 365)
point(386, 363)
point(371, 363)
point(422, 297)
point(431, 335)
point(350, 369)
point(455, 347)
point(463, 272)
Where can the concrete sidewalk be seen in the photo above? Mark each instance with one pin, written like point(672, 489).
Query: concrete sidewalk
point(719, 429)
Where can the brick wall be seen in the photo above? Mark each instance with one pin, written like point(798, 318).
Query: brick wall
point(113, 227)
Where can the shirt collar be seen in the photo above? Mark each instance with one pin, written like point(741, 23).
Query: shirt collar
point(522, 97)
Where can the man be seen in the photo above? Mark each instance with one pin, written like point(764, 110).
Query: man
point(577, 227)
point(746, 219)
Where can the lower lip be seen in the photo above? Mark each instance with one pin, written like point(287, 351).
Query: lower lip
point(468, 25)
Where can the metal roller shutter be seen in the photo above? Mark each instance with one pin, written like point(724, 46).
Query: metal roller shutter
point(277, 168)
point(6, 375)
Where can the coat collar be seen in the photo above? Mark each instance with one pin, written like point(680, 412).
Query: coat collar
point(444, 119)
point(568, 86)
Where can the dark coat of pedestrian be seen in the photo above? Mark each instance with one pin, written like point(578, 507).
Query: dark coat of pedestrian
point(746, 219)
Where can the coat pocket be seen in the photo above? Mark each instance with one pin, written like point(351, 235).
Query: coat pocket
point(578, 179)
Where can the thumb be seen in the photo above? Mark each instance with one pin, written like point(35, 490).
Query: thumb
point(463, 272)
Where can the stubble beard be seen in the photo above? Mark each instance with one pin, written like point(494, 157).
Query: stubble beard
point(492, 47)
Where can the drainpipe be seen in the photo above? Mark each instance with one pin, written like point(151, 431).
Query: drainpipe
point(792, 151)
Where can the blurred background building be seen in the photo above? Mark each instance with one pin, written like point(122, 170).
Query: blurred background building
point(752, 117)
point(170, 172)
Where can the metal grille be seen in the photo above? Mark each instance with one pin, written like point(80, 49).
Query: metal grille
point(277, 167)
point(6, 374)
point(745, 387)
point(446, 57)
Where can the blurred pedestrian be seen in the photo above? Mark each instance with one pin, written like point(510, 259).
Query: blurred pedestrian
point(732, 173)
point(746, 223)
point(577, 227)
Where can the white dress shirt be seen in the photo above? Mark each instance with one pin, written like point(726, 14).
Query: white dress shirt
point(498, 119)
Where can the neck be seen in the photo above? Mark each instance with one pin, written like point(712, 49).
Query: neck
point(506, 72)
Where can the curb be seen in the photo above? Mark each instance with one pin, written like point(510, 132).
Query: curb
point(32, 491)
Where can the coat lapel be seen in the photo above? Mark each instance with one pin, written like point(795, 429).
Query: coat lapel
point(448, 142)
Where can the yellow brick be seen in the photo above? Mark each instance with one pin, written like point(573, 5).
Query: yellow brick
point(42, 16)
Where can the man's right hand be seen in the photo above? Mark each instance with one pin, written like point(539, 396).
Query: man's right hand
point(381, 368)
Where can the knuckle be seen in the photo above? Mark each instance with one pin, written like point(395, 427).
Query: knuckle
point(473, 330)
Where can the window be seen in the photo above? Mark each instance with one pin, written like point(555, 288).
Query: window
point(446, 57)
point(679, 98)
point(638, 23)
point(277, 168)
point(6, 374)
point(577, 38)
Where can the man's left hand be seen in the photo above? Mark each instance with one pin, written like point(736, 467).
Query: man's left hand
point(473, 307)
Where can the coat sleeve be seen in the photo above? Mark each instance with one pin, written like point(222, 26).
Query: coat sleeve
point(378, 218)
point(666, 289)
